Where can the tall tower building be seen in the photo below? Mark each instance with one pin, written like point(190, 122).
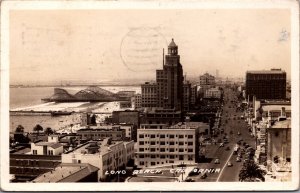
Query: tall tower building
point(170, 80)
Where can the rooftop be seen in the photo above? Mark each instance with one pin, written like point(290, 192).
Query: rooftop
point(276, 107)
point(67, 173)
point(54, 145)
point(189, 125)
point(172, 44)
point(97, 147)
point(274, 71)
point(282, 124)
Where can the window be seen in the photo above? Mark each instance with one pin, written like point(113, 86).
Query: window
point(180, 150)
point(171, 149)
point(141, 156)
point(141, 136)
point(162, 136)
point(141, 149)
point(190, 150)
point(162, 143)
point(141, 143)
point(180, 143)
point(34, 152)
point(180, 157)
point(171, 161)
point(152, 163)
point(171, 142)
point(152, 149)
point(162, 149)
point(152, 136)
point(79, 161)
point(190, 136)
point(180, 136)
point(153, 156)
point(190, 143)
point(172, 156)
point(162, 156)
point(152, 143)
point(141, 163)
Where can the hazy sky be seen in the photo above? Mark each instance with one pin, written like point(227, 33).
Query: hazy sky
point(99, 45)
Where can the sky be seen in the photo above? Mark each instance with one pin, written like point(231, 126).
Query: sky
point(95, 46)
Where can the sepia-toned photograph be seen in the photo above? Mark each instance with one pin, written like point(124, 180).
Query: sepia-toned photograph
point(129, 95)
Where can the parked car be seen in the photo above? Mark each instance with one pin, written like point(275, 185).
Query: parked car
point(217, 161)
point(189, 180)
point(229, 164)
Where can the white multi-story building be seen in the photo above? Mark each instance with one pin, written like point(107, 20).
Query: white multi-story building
point(107, 155)
point(213, 93)
point(159, 145)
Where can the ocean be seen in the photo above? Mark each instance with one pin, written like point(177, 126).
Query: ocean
point(30, 98)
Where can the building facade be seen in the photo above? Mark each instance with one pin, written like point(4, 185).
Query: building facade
point(161, 116)
point(149, 94)
point(194, 94)
point(207, 80)
point(113, 131)
point(107, 155)
point(136, 101)
point(279, 148)
point(165, 146)
point(187, 92)
point(213, 93)
point(268, 84)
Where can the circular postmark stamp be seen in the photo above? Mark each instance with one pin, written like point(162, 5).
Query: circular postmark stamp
point(141, 49)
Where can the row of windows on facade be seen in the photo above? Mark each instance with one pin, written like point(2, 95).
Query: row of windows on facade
point(164, 136)
point(165, 143)
point(21, 170)
point(266, 77)
point(164, 156)
point(49, 152)
point(148, 97)
point(100, 135)
point(162, 115)
point(167, 161)
point(26, 162)
point(165, 150)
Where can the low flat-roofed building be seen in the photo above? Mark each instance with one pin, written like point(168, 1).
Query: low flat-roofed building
point(107, 155)
point(69, 173)
point(102, 132)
